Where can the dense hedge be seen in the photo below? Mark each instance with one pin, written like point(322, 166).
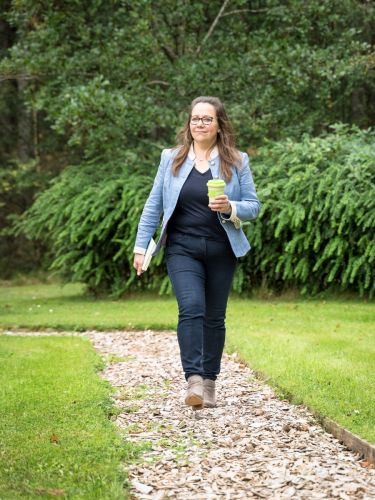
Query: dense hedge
point(316, 228)
point(88, 216)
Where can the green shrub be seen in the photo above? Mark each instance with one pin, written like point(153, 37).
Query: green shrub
point(315, 230)
point(317, 225)
point(88, 217)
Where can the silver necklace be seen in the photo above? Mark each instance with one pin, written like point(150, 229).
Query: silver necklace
point(199, 159)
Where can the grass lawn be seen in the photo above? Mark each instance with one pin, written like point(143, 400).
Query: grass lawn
point(319, 352)
point(56, 437)
point(64, 308)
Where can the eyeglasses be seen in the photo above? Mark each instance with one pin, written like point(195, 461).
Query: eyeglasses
point(206, 120)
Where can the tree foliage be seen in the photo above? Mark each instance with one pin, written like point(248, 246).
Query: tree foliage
point(107, 84)
point(109, 73)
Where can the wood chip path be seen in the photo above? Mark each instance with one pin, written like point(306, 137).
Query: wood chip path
point(252, 445)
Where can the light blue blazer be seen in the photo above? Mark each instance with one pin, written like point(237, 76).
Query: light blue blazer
point(166, 189)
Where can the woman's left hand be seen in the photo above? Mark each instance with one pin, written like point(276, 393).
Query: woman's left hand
point(220, 204)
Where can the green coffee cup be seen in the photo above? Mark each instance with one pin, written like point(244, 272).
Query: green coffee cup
point(215, 187)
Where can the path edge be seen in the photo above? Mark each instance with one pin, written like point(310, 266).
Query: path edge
point(349, 439)
point(352, 441)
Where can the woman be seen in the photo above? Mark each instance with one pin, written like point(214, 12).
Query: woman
point(203, 238)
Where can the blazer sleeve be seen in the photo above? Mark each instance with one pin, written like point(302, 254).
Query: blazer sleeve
point(248, 207)
point(152, 209)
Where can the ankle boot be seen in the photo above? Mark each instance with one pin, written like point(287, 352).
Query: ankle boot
point(194, 393)
point(209, 393)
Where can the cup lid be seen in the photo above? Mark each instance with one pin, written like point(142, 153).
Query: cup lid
point(216, 183)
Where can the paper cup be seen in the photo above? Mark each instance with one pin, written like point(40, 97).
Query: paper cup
point(215, 188)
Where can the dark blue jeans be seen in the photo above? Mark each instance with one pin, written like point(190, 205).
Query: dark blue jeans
point(201, 272)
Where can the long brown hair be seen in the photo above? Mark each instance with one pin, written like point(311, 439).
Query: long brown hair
point(225, 142)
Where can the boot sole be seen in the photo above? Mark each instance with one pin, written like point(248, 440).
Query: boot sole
point(210, 405)
point(194, 400)
point(198, 407)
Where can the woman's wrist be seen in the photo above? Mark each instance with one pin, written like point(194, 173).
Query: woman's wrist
point(228, 211)
point(139, 250)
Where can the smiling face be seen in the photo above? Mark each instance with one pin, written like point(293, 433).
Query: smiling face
point(204, 134)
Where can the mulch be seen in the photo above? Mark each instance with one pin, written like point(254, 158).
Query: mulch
point(252, 445)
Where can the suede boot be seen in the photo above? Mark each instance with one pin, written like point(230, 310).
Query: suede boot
point(194, 393)
point(209, 393)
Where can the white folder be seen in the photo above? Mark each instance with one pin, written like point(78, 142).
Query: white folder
point(150, 250)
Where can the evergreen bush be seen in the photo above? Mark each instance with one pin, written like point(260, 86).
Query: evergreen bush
point(317, 226)
point(316, 229)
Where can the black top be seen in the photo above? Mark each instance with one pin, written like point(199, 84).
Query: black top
point(192, 214)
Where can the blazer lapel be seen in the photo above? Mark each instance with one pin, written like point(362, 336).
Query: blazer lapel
point(215, 168)
point(185, 169)
point(179, 180)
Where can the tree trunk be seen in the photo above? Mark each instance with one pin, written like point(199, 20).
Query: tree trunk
point(24, 125)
